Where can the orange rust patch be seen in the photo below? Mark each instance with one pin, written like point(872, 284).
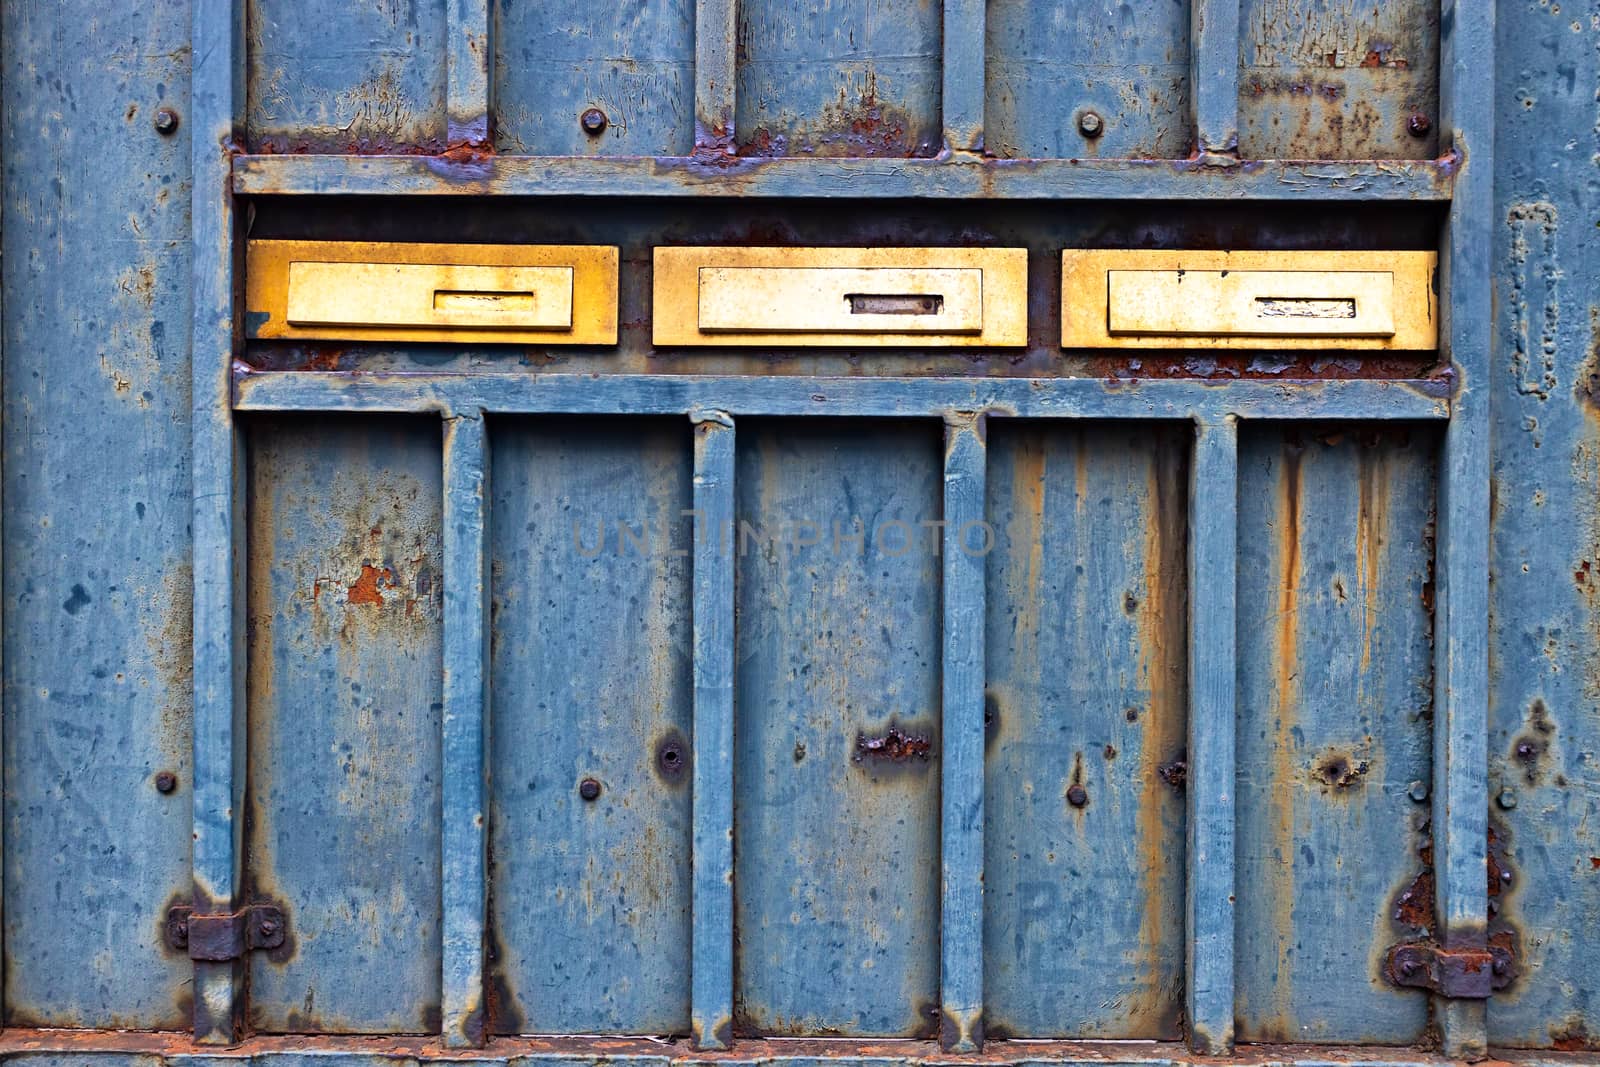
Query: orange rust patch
point(367, 588)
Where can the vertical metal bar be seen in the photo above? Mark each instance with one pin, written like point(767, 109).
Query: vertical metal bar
point(711, 979)
point(1214, 76)
point(469, 73)
point(1213, 588)
point(1461, 606)
point(715, 71)
point(466, 727)
point(967, 540)
point(217, 96)
point(963, 88)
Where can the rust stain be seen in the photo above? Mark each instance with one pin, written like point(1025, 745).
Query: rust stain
point(895, 746)
point(857, 124)
point(367, 589)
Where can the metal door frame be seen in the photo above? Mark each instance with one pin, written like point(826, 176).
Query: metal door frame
point(222, 173)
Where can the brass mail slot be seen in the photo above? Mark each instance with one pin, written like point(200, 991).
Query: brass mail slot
point(540, 294)
point(1304, 300)
point(864, 297)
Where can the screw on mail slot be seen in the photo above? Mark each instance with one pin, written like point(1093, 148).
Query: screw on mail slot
point(430, 294)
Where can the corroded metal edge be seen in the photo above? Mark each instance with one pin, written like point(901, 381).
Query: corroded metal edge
point(25, 1046)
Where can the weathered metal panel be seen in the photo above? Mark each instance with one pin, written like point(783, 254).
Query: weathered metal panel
point(365, 76)
point(836, 734)
point(1085, 724)
point(590, 675)
point(1544, 737)
point(1334, 740)
point(845, 78)
point(633, 62)
point(1051, 65)
point(345, 658)
point(96, 489)
point(1339, 79)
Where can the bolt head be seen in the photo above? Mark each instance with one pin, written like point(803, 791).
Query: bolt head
point(1419, 124)
point(166, 121)
point(589, 789)
point(1418, 791)
point(1077, 796)
point(594, 122)
point(1507, 799)
point(166, 782)
point(1090, 124)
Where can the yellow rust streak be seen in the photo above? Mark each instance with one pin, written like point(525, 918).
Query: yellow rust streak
point(1282, 787)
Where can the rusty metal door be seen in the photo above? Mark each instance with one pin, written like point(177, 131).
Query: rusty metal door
point(394, 696)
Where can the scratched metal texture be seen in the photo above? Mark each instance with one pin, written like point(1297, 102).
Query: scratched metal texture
point(840, 78)
point(633, 61)
point(1050, 63)
point(345, 659)
point(836, 883)
point(1338, 79)
point(96, 490)
point(1544, 740)
point(590, 676)
point(1335, 698)
point(362, 76)
point(1086, 689)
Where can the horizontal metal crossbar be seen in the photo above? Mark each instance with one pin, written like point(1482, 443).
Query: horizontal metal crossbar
point(1079, 398)
point(949, 177)
point(116, 1049)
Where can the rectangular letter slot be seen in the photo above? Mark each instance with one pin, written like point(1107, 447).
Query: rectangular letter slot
point(495, 293)
point(840, 296)
point(1287, 300)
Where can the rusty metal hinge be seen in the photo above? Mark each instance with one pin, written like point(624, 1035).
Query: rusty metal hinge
point(218, 938)
point(1459, 973)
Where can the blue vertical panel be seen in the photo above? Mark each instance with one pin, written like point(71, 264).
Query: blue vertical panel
point(346, 77)
point(345, 667)
point(96, 488)
point(836, 733)
point(1086, 715)
point(1051, 63)
point(967, 541)
point(1544, 735)
point(1211, 889)
point(1334, 737)
point(633, 61)
point(464, 751)
point(590, 667)
point(711, 968)
point(1338, 79)
point(846, 78)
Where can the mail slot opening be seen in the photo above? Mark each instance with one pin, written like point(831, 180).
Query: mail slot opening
point(895, 303)
point(1305, 307)
point(477, 300)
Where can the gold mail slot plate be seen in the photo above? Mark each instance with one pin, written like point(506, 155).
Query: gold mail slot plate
point(859, 297)
point(370, 291)
point(1249, 300)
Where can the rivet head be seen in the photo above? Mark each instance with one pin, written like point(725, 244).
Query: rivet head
point(1419, 124)
point(166, 782)
point(594, 122)
point(1090, 124)
point(1418, 791)
point(166, 121)
point(1507, 799)
point(589, 789)
point(1077, 795)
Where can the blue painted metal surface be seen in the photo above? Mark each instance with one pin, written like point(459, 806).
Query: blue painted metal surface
point(1229, 707)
